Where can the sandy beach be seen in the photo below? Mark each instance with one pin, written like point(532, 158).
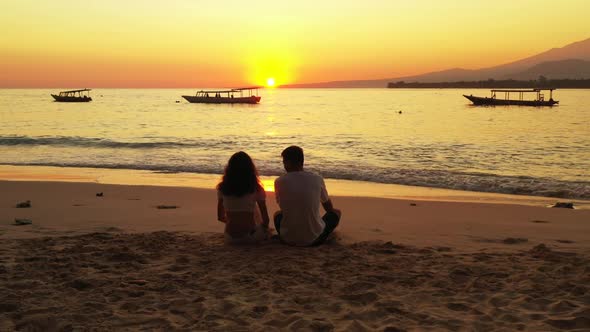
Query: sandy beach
point(117, 262)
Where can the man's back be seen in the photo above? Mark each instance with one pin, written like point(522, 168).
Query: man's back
point(299, 195)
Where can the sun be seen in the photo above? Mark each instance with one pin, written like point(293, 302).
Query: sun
point(270, 82)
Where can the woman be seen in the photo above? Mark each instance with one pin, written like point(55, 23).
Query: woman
point(238, 194)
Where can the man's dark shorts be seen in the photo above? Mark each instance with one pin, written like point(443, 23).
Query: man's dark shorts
point(331, 220)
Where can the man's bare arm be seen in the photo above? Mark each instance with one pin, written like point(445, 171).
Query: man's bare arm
point(328, 206)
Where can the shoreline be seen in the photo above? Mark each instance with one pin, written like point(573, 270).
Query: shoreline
point(72, 208)
point(335, 187)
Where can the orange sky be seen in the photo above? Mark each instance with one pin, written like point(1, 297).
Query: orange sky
point(189, 43)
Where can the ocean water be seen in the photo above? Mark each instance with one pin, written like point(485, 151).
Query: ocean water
point(430, 138)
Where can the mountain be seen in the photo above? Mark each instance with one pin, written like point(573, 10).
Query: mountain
point(578, 50)
point(572, 69)
point(570, 61)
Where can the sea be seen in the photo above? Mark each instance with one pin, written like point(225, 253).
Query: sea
point(423, 137)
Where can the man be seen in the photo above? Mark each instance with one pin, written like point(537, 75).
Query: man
point(299, 194)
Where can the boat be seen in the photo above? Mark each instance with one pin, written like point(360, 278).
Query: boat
point(493, 100)
point(73, 96)
point(231, 96)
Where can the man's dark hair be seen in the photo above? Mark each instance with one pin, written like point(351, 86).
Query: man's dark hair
point(293, 154)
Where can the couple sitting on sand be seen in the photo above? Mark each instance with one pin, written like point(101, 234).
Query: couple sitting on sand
point(298, 193)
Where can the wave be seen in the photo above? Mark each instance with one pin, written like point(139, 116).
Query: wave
point(470, 181)
point(479, 182)
point(74, 141)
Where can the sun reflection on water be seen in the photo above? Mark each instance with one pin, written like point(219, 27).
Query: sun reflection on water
point(268, 184)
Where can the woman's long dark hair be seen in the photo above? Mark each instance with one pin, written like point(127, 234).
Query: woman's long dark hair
point(240, 177)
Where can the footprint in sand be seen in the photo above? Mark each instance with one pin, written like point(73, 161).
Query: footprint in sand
point(361, 298)
point(260, 309)
point(460, 275)
point(182, 260)
point(580, 322)
point(392, 329)
point(499, 301)
point(80, 284)
point(357, 326)
point(9, 307)
point(303, 324)
point(509, 318)
point(458, 307)
point(360, 286)
point(137, 282)
point(562, 306)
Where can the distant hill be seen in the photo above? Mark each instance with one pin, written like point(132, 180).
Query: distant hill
point(556, 63)
point(540, 83)
point(572, 69)
point(578, 50)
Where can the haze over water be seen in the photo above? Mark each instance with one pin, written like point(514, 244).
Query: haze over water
point(438, 140)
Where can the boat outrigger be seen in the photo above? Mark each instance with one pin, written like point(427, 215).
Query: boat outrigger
point(493, 100)
point(73, 96)
point(232, 96)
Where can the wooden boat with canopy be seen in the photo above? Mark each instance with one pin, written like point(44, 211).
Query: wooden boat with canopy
point(494, 100)
point(73, 96)
point(232, 96)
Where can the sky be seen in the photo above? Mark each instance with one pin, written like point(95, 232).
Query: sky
point(229, 43)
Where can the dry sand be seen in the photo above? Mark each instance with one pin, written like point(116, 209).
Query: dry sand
point(118, 262)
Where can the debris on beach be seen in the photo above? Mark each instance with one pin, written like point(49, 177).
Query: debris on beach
point(167, 207)
point(413, 204)
point(514, 240)
point(100, 194)
point(563, 205)
point(20, 222)
point(23, 205)
point(565, 241)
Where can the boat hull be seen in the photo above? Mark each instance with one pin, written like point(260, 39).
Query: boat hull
point(479, 101)
point(223, 100)
point(63, 99)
